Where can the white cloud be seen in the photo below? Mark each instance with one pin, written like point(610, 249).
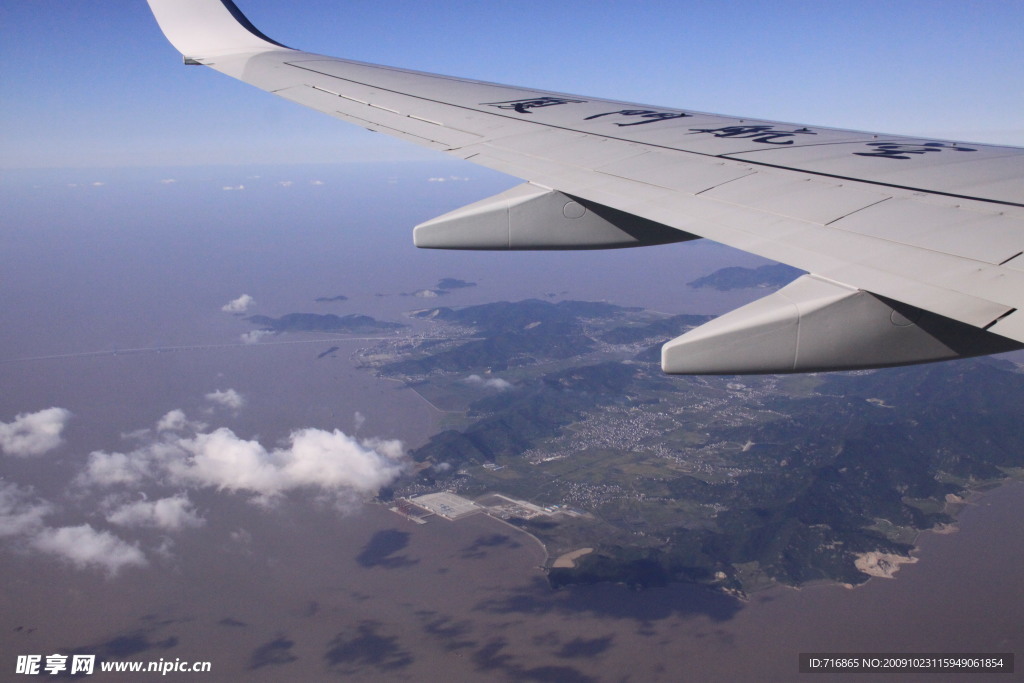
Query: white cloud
point(170, 514)
point(285, 183)
point(168, 181)
point(22, 516)
point(426, 294)
point(33, 434)
point(223, 460)
point(85, 547)
point(489, 383)
point(329, 461)
point(255, 336)
point(389, 448)
point(230, 188)
point(182, 455)
point(109, 469)
point(18, 513)
point(175, 421)
point(239, 305)
point(229, 398)
point(316, 183)
point(315, 458)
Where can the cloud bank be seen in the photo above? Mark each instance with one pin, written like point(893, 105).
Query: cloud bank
point(182, 455)
point(330, 462)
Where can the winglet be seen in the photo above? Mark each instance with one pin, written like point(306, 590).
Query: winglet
point(200, 29)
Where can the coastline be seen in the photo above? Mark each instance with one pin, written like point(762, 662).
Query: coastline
point(886, 565)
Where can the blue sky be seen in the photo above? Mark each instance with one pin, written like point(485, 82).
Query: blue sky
point(96, 84)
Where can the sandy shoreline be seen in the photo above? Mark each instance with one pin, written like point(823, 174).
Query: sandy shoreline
point(568, 560)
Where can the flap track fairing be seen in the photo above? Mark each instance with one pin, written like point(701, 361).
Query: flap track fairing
point(814, 324)
point(531, 217)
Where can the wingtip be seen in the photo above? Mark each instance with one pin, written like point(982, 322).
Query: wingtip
point(206, 28)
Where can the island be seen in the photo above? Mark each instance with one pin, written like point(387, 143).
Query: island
point(733, 482)
point(771, 276)
point(625, 474)
point(448, 283)
point(444, 286)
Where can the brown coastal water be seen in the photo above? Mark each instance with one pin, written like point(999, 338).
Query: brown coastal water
point(303, 590)
point(374, 596)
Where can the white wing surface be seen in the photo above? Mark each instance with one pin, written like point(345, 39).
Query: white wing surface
point(914, 246)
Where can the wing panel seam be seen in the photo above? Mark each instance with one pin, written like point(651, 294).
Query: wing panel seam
point(883, 199)
point(724, 182)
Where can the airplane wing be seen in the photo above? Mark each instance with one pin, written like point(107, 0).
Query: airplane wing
point(914, 247)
